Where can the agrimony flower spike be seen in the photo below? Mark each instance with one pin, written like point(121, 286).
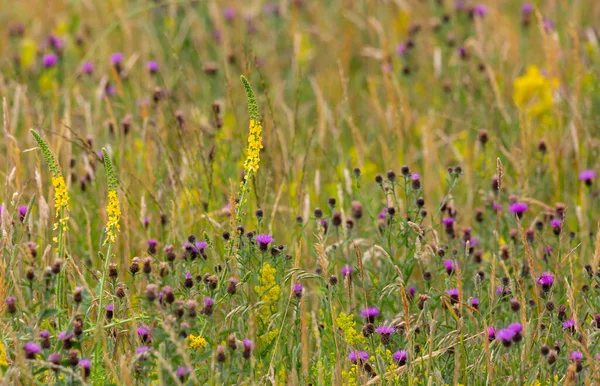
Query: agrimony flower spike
point(254, 135)
point(112, 209)
point(61, 195)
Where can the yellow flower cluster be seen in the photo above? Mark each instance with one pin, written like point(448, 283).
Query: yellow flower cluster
point(348, 325)
point(196, 342)
point(254, 146)
point(532, 92)
point(3, 360)
point(114, 215)
point(268, 289)
point(350, 377)
point(267, 338)
point(61, 195)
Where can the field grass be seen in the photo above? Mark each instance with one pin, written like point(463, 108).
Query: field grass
point(333, 192)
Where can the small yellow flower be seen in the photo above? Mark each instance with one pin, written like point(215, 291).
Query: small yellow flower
point(347, 324)
point(532, 92)
point(196, 342)
point(114, 215)
point(61, 195)
point(254, 146)
point(3, 359)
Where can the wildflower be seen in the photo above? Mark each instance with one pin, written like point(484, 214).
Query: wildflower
point(220, 354)
point(116, 59)
point(113, 211)
point(254, 138)
point(142, 350)
point(208, 306)
point(358, 356)
point(532, 92)
point(385, 332)
point(556, 224)
point(45, 336)
point(31, 349)
point(448, 221)
point(480, 10)
point(196, 342)
point(449, 265)
point(517, 329)
point(416, 180)
point(546, 280)
point(475, 303)
point(569, 325)
point(248, 347)
point(453, 293)
point(400, 357)
point(152, 67)
point(268, 290)
point(370, 313)
point(110, 309)
point(86, 365)
point(518, 208)
point(54, 358)
point(229, 13)
point(66, 337)
point(505, 335)
point(347, 325)
point(491, 333)
point(181, 372)
point(263, 240)
point(298, 290)
point(10, 302)
point(527, 8)
point(587, 176)
point(49, 60)
point(401, 49)
point(143, 332)
point(576, 356)
point(22, 212)
point(87, 68)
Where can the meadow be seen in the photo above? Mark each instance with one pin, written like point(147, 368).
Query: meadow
point(339, 192)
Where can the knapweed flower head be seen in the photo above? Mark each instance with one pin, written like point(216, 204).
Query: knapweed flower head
point(569, 324)
point(182, 371)
point(356, 356)
point(515, 327)
point(518, 207)
point(248, 344)
point(546, 280)
point(209, 302)
point(152, 66)
point(447, 221)
point(200, 245)
point(587, 176)
point(346, 271)
point(400, 357)
point(50, 60)
point(64, 335)
point(85, 363)
point(532, 92)
point(142, 350)
point(255, 133)
point(229, 13)
point(475, 302)
point(480, 10)
point(87, 68)
point(382, 330)
point(381, 215)
point(505, 335)
point(143, 331)
point(401, 49)
point(116, 58)
point(576, 356)
point(527, 8)
point(555, 223)
point(370, 313)
point(113, 209)
point(452, 292)
point(31, 349)
point(264, 238)
point(449, 265)
point(491, 333)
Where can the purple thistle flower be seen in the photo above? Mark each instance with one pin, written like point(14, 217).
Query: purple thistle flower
point(505, 335)
point(356, 356)
point(548, 250)
point(63, 336)
point(587, 175)
point(473, 242)
point(401, 49)
point(448, 221)
point(526, 9)
point(110, 90)
point(411, 291)
point(87, 68)
point(44, 334)
point(475, 303)
point(152, 244)
point(142, 350)
point(347, 271)
point(50, 60)
point(515, 327)
point(518, 208)
point(383, 330)
point(22, 212)
point(400, 357)
point(480, 10)
point(555, 223)
point(381, 215)
point(188, 275)
point(449, 265)
point(576, 356)
point(85, 363)
point(453, 292)
point(31, 349)
point(110, 307)
point(370, 313)
point(54, 358)
point(297, 289)
point(208, 302)
point(264, 238)
point(569, 324)
point(182, 371)
point(546, 280)
point(56, 43)
point(229, 13)
point(116, 58)
point(548, 25)
point(152, 67)
point(491, 333)
point(248, 344)
point(200, 245)
point(143, 332)
point(415, 176)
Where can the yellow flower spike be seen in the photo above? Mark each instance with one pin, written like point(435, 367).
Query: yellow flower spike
point(532, 92)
